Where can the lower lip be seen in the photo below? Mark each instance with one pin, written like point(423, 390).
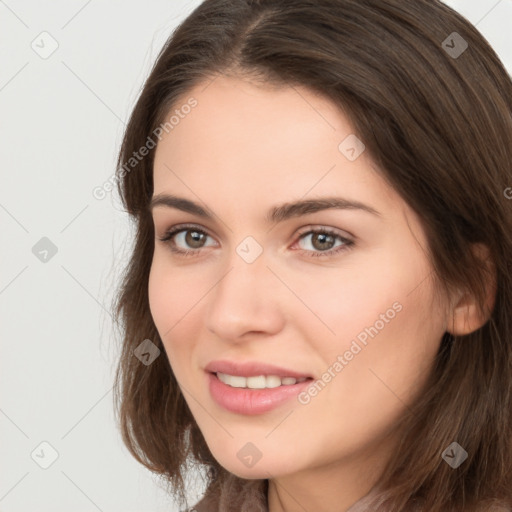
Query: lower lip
point(252, 401)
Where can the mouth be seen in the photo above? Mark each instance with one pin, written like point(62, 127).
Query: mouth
point(253, 395)
point(258, 381)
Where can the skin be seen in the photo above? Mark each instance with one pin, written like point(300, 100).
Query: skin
point(243, 149)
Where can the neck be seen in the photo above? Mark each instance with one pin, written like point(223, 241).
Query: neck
point(336, 486)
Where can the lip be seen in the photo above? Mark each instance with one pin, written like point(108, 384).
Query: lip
point(252, 369)
point(251, 401)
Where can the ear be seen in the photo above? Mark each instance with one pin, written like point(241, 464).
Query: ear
point(465, 316)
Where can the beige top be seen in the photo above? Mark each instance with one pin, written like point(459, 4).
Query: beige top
point(251, 496)
point(238, 495)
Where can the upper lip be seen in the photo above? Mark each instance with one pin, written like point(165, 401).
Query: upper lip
point(252, 369)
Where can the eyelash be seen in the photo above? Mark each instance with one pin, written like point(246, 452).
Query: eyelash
point(348, 244)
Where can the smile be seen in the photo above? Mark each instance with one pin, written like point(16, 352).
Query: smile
point(257, 382)
point(241, 398)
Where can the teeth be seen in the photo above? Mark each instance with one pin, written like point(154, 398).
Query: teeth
point(258, 382)
point(271, 381)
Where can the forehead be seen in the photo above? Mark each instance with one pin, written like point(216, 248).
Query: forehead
point(231, 111)
point(258, 144)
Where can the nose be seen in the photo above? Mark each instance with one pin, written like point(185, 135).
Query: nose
point(247, 300)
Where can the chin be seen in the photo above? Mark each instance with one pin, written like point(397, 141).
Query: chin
point(260, 470)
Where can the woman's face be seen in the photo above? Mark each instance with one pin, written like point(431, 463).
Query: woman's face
point(354, 309)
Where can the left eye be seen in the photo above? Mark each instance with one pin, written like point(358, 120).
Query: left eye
point(321, 240)
point(321, 237)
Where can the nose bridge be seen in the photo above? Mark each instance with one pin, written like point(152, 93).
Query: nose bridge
point(246, 282)
point(247, 271)
point(244, 298)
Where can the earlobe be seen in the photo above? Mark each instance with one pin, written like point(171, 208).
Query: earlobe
point(466, 316)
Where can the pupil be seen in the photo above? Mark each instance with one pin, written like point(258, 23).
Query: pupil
point(193, 238)
point(324, 239)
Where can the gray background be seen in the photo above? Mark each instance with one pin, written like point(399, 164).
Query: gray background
point(61, 122)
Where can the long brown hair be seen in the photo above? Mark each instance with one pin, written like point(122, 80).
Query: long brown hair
point(432, 103)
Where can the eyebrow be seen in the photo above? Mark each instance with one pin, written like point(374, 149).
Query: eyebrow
point(277, 213)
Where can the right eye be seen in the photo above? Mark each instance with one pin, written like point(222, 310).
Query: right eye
point(190, 236)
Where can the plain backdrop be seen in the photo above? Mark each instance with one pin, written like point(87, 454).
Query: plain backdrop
point(61, 121)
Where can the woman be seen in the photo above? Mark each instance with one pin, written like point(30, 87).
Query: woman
point(316, 310)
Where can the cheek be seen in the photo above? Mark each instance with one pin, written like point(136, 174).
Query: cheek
point(175, 303)
point(363, 396)
point(172, 293)
point(380, 320)
point(348, 299)
point(160, 295)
